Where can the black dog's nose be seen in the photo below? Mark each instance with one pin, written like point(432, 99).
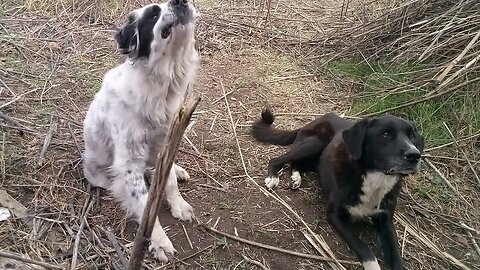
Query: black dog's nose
point(412, 155)
point(178, 2)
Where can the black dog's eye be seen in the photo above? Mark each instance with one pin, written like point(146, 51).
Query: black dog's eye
point(412, 136)
point(386, 134)
point(155, 17)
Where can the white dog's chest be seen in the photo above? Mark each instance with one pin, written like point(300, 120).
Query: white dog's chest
point(375, 186)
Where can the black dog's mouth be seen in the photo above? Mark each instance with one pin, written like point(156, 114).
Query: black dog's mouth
point(167, 30)
point(402, 171)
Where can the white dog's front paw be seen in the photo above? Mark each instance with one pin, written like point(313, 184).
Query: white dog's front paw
point(182, 210)
point(161, 249)
point(272, 182)
point(182, 174)
point(296, 180)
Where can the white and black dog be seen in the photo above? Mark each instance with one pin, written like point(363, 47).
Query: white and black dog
point(128, 119)
point(361, 166)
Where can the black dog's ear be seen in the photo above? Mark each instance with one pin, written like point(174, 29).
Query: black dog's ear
point(126, 37)
point(354, 137)
point(419, 140)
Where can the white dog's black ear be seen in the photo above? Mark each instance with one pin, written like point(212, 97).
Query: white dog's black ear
point(354, 137)
point(126, 37)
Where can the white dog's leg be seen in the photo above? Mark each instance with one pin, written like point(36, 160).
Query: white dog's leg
point(94, 168)
point(179, 207)
point(160, 244)
point(129, 188)
point(182, 174)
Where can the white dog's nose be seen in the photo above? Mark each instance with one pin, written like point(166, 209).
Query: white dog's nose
point(178, 2)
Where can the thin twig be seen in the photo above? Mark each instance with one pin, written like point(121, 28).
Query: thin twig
point(223, 96)
point(79, 234)
point(113, 240)
point(451, 143)
point(285, 251)
point(26, 260)
point(474, 242)
point(439, 173)
point(459, 57)
point(9, 120)
point(186, 258)
point(17, 98)
point(186, 235)
point(463, 152)
point(46, 142)
point(257, 263)
point(413, 230)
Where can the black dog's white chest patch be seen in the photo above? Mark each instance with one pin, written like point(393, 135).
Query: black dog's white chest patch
point(375, 186)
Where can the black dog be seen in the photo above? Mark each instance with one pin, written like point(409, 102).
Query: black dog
point(361, 166)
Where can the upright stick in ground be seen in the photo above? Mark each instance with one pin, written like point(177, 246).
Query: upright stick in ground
point(162, 170)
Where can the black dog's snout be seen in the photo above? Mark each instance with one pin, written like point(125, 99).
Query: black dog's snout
point(178, 2)
point(412, 155)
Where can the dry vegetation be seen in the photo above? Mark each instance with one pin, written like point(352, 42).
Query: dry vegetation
point(305, 58)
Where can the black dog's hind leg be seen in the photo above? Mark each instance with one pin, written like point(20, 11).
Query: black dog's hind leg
point(309, 148)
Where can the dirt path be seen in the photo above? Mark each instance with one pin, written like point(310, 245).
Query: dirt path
point(53, 59)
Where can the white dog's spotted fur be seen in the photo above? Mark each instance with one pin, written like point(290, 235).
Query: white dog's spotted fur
point(375, 186)
point(129, 117)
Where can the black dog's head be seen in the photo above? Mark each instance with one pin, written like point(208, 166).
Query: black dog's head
point(388, 144)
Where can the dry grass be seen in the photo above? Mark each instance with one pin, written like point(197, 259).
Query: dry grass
point(54, 56)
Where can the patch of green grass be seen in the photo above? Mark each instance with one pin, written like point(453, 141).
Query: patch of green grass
point(222, 242)
point(90, 81)
point(459, 111)
point(226, 206)
point(434, 189)
point(93, 89)
point(44, 111)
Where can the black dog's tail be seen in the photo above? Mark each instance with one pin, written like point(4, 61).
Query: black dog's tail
point(263, 131)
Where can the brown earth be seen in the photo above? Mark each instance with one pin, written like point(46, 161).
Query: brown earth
point(53, 56)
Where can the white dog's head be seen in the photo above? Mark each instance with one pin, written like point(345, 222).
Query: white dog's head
point(156, 27)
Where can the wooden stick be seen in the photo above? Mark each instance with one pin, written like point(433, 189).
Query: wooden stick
point(463, 152)
point(186, 258)
point(459, 57)
point(257, 263)
point(162, 170)
point(26, 260)
point(286, 251)
point(444, 178)
point(9, 120)
point(188, 237)
point(116, 246)
point(417, 234)
point(73, 266)
point(46, 142)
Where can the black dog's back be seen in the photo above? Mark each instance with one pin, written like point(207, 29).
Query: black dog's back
point(306, 144)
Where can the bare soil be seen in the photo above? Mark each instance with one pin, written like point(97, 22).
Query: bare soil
point(53, 56)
